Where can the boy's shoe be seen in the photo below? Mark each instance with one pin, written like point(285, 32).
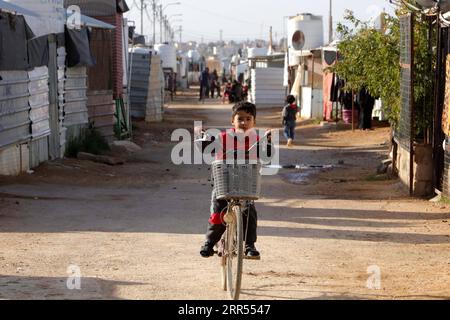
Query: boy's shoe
point(289, 143)
point(207, 250)
point(251, 252)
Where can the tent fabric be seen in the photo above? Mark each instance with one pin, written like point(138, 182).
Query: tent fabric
point(122, 6)
point(17, 9)
point(95, 23)
point(78, 49)
point(38, 52)
point(99, 7)
point(14, 36)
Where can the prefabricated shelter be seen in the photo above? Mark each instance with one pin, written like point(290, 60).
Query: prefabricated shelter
point(182, 71)
point(168, 55)
point(146, 85)
point(194, 66)
point(29, 119)
point(107, 103)
point(330, 56)
point(305, 81)
point(267, 74)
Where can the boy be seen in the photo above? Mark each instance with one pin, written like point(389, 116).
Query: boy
point(289, 116)
point(243, 119)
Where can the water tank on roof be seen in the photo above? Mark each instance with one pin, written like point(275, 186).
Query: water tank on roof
point(305, 32)
point(140, 50)
point(257, 52)
point(194, 56)
point(168, 55)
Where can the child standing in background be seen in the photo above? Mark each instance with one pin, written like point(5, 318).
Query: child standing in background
point(289, 117)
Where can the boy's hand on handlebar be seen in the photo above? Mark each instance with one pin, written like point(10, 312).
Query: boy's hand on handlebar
point(268, 134)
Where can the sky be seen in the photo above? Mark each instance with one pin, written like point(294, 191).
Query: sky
point(246, 19)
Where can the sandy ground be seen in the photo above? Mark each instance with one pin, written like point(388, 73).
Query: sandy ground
point(134, 231)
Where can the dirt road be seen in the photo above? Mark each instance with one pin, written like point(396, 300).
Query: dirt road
point(134, 231)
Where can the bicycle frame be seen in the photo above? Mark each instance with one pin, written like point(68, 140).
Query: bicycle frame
point(231, 249)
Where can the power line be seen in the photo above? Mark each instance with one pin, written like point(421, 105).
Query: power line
point(221, 16)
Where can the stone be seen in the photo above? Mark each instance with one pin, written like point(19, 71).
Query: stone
point(383, 167)
point(100, 158)
point(124, 146)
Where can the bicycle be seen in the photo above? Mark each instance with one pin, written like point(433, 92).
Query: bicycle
point(239, 185)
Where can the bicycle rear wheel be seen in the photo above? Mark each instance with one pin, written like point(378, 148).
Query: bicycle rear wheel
point(223, 263)
point(234, 243)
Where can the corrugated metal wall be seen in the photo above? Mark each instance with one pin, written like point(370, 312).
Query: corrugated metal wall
point(267, 86)
point(100, 76)
point(117, 21)
point(39, 115)
point(14, 108)
point(75, 99)
point(100, 104)
point(140, 77)
point(14, 159)
point(155, 99)
point(61, 63)
point(39, 102)
point(24, 120)
point(101, 108)
point(147, 87)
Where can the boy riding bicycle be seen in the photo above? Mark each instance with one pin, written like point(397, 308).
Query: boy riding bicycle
point(243, 119)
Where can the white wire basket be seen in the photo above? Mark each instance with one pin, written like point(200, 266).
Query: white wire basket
point(236, 181)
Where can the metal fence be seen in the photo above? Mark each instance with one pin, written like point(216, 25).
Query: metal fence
point(404, 130)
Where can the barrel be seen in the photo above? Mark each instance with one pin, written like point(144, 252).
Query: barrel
point(347, 116)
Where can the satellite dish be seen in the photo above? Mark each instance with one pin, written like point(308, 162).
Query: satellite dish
point(298, 40)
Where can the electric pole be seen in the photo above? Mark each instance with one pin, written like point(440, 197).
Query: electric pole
point(160, 24)
point(181, 30)
point(142, 17)
point(154, 21)
point(330, 30)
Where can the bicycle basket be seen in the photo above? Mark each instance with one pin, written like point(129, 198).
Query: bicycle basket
point(236, 181)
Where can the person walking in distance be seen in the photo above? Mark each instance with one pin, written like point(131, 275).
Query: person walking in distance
point(214, 83)
point(289, 118)
point(205, 79)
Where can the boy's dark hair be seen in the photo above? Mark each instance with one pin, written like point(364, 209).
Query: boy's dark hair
point(290, 99)
point(244, 106)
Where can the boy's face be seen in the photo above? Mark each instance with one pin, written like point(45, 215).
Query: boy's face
point(243, 121)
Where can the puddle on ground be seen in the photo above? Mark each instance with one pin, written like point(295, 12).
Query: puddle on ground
point(301, 174)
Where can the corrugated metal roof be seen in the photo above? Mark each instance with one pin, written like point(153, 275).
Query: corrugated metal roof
point(94, 23)
point(99, 7)
point(17, 9)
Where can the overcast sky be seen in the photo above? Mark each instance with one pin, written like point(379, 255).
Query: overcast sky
point(242, 19)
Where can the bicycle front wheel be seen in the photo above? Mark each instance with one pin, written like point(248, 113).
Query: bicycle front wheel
point(235, 253)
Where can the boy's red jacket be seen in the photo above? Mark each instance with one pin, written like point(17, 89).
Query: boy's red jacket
point(230, 141)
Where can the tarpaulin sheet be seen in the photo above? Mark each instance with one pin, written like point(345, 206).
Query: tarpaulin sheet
point(78, 49)
point(38, 52)
point(14, 34)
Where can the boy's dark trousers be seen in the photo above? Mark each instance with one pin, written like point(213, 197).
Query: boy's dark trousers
point(216, 227)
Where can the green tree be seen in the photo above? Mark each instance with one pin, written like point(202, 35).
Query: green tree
point(371, 58)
